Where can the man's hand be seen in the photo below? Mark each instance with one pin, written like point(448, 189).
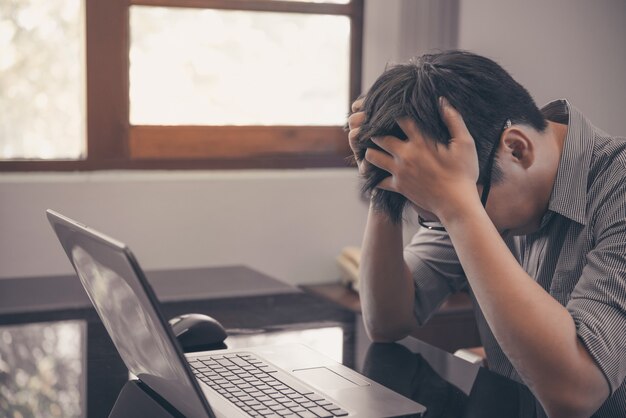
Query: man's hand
point(434, 177)
point(355, 120)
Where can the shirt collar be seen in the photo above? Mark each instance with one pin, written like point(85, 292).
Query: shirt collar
point(569, 194)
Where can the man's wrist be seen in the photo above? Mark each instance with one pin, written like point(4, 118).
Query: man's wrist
point(460, 209)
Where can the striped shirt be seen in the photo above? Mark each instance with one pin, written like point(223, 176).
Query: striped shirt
point(578, 255)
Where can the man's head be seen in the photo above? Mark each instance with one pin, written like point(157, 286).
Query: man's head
point(482, 91)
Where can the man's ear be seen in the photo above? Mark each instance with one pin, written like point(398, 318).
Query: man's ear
point(517, 147)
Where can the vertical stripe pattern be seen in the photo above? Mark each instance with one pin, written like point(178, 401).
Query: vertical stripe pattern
point(578, 255)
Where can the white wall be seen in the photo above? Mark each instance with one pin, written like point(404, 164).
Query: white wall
point(289, 224)
point(574, 49)
point(397, 30)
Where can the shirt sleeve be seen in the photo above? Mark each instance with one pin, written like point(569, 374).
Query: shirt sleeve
point(598, 302)
point(435, 269)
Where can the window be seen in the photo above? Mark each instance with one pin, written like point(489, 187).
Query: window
point(42, 79)
point(208, 84)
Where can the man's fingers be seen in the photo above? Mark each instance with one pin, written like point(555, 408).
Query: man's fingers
point(356, 119)
point(409, 127)
point(453, 119)
point(380, 159)
point(357, 105)
point(387, 184)
point(388, 143)
point(352, 138)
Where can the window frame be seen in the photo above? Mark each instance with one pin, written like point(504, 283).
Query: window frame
point(113, 143)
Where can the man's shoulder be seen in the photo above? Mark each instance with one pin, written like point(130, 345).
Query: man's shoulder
point(606, 188)
point(608, 162)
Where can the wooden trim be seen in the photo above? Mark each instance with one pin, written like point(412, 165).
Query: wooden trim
point(151, 142)
point(253, 5)
point(240, 163)
point(107, 78)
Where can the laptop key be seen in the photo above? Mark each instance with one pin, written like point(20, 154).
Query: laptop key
point(298, 399)
point(277, 407)
point(339, 412)
point(306, 414)
point(321, 412)
point(239, 361)
point(298, 409)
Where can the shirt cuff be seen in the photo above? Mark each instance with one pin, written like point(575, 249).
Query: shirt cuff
point(601, 328)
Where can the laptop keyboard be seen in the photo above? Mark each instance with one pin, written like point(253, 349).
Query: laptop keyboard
point(252, 385)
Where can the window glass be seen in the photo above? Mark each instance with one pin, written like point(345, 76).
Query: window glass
point(223, 67)
point(42, 79)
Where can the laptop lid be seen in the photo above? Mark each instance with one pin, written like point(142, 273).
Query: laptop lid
point(129, 310)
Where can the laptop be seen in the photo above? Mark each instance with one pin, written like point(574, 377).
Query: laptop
point(266, 381)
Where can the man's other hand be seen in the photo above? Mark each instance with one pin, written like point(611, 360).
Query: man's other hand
point(355, 120)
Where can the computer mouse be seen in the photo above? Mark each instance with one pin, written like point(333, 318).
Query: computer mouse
point(198, 332)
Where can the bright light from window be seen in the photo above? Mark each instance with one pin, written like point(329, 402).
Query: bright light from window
point(215, 67)
point(42, 79)
point(328, 341)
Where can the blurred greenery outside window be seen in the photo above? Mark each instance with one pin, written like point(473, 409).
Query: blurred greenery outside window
point(42, 79)
point(233, 81)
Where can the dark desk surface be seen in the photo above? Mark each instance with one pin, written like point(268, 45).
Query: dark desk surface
point(56, 358)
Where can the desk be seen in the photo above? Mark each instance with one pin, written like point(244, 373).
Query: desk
point(56, 358)
point(451, 327)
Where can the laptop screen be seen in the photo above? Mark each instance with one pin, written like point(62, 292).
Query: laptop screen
point(122, 299)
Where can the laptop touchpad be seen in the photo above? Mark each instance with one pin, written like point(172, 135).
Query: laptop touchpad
point(324, 379)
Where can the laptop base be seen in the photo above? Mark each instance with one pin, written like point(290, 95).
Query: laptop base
point(135, 401)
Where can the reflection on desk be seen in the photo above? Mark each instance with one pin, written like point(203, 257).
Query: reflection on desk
point(42, 369)
point(411, 374)
point(60, 362)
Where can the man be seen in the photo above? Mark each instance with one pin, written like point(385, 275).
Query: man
point(525, 209)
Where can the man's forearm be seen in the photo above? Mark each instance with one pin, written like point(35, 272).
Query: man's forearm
point(537, 333)
point(386, 287)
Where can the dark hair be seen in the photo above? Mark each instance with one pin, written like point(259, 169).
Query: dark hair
point(480, 89)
